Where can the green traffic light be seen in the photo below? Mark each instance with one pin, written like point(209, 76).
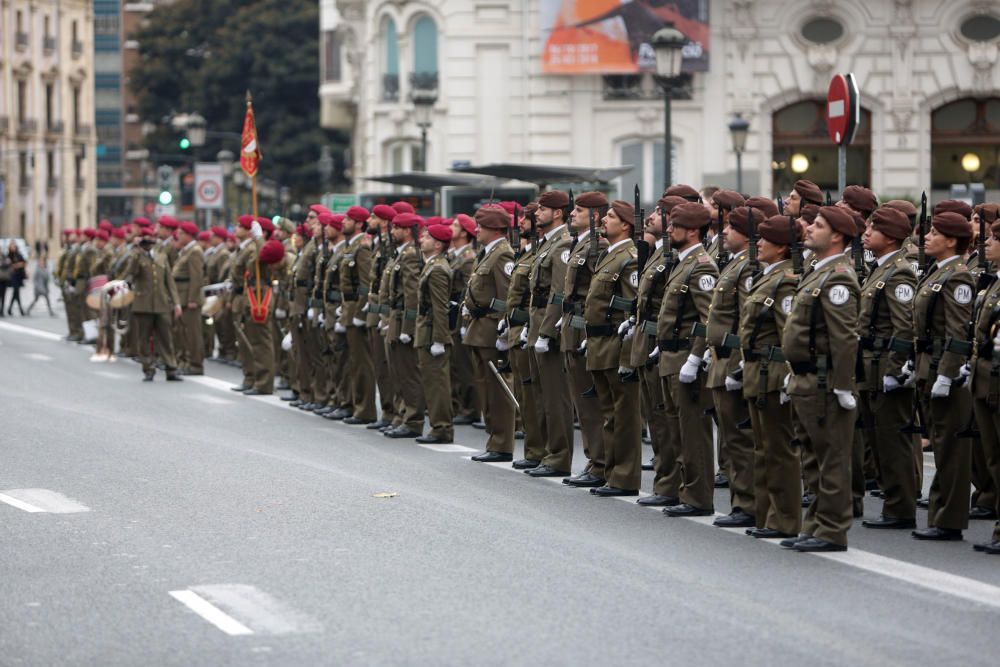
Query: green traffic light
point(185, 144)
point(166, 198)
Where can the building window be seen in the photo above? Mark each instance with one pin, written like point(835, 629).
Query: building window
point(981, 28)
point(965, 143)
point(390, 62)
point(49, 110)
point(822, 30)
point(76, 108)
point(403, 156)
point(50, 169)
point(622, 86)
point(22, 101)
point(22, 164)
point(425, 46)
point(646, 159)
point(331, 55)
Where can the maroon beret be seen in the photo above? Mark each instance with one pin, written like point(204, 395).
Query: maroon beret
point(205, 236)
point(433, 220)
point(892, 222)
point(808, 213)
point(329, 219)
point(908, 209)
point(682, 190)
point(102, 234)
point(553, 199)
point(689, 215)
point(384, 212)
point(90, 233)
point(319, 208)
point(221, 232)
point(592, 199)
point(406, 220)
point(119, 233)
point(860, 198)
point(990, 213)
point(358, 213)
point(529, 209)
point(142, 222)
point(952, 224)
point(265, 224)
point(624, 210)
point(779, 229)
point(509, 206)
point(668, 203)
point(440, 232)
point(272, 252)
point(167, 221)
point(727, 199)
point(189, 228)
point(809, 191)
point(467, 223)
point(739, 219)
point(954, 206)
point(840, 220)
point(403, 207)
point(105, 225)
point(492, 217)
point(767, 206)
point(246, 221)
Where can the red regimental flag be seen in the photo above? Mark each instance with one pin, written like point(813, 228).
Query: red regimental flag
point(249, 147)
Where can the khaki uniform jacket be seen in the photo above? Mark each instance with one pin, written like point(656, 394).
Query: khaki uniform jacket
point(762, 319)
point(333, 298)
point(403, 294)
point(986, 358)
point(282, 280)
point(490, 280)
point(649, 295)
point(834, 290)
point(730, 295)
point(152, 283)
point(548, 272)
point(519, 295)
point(355, 278)
point(379, 260)
point(461, 263)
point(213, 257)
point(81, 267)
point(686, 299)
point(890, 288)
point(65, 260)
point(385, 287)
point(942, 311)
point(432, 307)
point(580, 268)
point(616, 275)
point(100, 261)
point(189, 275)
point(120, 259)
point(167, 247)
point(302, 278)
point(243, 275)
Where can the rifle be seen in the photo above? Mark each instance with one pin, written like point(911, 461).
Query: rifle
point(986, 276)
point(515, 232)
point(534, 226)
point(781, 205)
point(829, 200)
point(795, 250)
point(921, 234)
point(723, 257)
point(592, 251)
point(641, 246)
point(752, 243)
point(858, 253)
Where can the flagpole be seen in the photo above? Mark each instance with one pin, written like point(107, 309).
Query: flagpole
point(253, 199)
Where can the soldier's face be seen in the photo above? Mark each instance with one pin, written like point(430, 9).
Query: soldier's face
point(579, 218)
point(993, 249)
point(875, 241)
point(399, 234)
point(768, 252)
point(733, 240)
point(818, 235)
point(614, 227)
point(163, 232)
point(678, 236)
point(938, 245)
point(428, 244)
point(651, 225)
point(793, 203)
point(350, 226)
point(544, 216)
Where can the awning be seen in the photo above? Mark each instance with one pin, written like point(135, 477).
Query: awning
point(541, 174)
point(427, 181)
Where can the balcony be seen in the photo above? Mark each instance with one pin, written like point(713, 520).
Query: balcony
point(49, 44)
point(390, 87)
point(21, 40)
point(55, 127)
point(80, 183)
point(27, 126)
point(77, 48)
point(622, 87)
point(82, 131)
point(52, 183)
point(4, 124)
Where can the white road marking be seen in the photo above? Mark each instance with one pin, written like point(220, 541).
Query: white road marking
point(109, 375)
point(42, 500)
point(448, 448)
point(210, 613)
point(37, 356)
point(38, 333)
point(254, 610)
point(208, 398)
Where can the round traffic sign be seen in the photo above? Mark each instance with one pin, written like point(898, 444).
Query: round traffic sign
point(209, 191)
point(838, 109)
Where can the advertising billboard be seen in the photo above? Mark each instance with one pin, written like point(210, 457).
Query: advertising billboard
point(613, 36)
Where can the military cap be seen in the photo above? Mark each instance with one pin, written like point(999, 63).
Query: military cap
point(467, 223)
point(892, 222)
point(384, 212)
point(809, 191)
point(682, 190)
point(779, 229)
point(860, 198)
point(440, 232)
point(118, 233)
point(189, 228)
point(331, 219)
point(952, 224)
point(764, 204)
point(406, 220)
point(246, 221)
point(265, 224)
point(286, 225)
point(530, 208)
point(272, 252)
point(591, 199)
point(860, 223)
point(90, 233)
point(319, 208)
point(908, 209)
point(739, 219)
point(727, 199)
point(624, 210)
point(553, 199)
point(840, 220)
point(808, 213)
point(204, 236)
point(509, 206)
point(168, 221)
point(990, 213)
point(668, 202)
point(105, 225)
point(101, 234)
point(221, 232)
point(403, 207)
point(492, 217)
point(142, 222)
point(689, 215)
point(954, 206)
point(358, 213)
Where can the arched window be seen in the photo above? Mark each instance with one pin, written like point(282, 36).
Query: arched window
point(645, 156)
point(965, 143)
point(390, 61)
point(425, 39)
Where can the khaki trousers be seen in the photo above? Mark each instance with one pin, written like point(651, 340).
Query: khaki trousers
point(244, 349)
point(403, 359)
point(985, 493)
point(526, 391)
point(225, 329)
point(383, 379)
point(777, 475)
point(305, 362)
point(465, 400)
point(588, 411)
point(950, 488)
point(194, 340)
point(621, 430)
point(435, 378)
point(262, 353)
point(830, 429)
point(688, 403)
point(884, 415)
point(737, 447)
point(988, 420)
point(158, 326)
point(362, 373)
point(499, 413)
point(558, 410)
point(664, 434)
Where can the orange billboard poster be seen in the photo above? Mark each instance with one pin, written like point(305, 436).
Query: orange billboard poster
point(613, 36)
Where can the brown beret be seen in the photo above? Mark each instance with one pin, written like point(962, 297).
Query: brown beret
point(689, 215)
point(860, 198)
point(995, 228)
point(764, 204)
point(892, 222)
point(668, 203)
point(529, 209)
point(908, 209)
point(682, 190)
point(954, 206)
point(727, 199)
point(779, 229)
point(553, 199)
point(988, 212)
point(840, 220)
point(809, 213)
point(860, 222)
point(493, 217)
point(592, 199)
point(624, 211)
point(809, 191)
point(952, 224)
point(739, 219)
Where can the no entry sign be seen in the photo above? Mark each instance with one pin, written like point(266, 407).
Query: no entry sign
point(843, 107)
point(208, 185)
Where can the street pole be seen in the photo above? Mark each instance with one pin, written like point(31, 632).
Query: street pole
point(423, 147)
point(667, 136)
point(841, 167)
point(739, 172)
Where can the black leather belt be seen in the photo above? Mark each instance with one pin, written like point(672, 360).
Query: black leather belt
point(518, 316)
point(302, 283)
point(182, 280)
point(600, 330)
point(802, 367)
point(673, 344)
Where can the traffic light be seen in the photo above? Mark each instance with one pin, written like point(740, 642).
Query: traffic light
point(184, 143)
point(165, 198)
point(165, 177)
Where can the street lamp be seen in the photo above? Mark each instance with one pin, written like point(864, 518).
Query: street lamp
point(739, 127)
point(667, 43)
point(423, 95)
point(225, 158)
point(196, 127)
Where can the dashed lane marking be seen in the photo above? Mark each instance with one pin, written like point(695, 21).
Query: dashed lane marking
point(37, 356)
point(448, 448)
point(211, 613)
point(238, 609)
point(38, 333)
point(42, 500)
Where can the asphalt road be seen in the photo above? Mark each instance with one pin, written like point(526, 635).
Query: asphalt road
point(183, 524)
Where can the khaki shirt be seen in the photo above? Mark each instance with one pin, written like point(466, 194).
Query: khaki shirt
point(580, 268)
point(403, 294)
point(519, 294)
point(489, 282)
point(686, 299)
point(243, 275)
point(762, 319)
point(332, 297)
point(942, 310)
point(889, 288)
point(986, 360)
point(649, 296)
point(152, 283)
point(730, 294)
point(548, 272)
point(461, 264)
point(355, 278)
point(189, 275)
point(302, 278)
point(434, 292)
point(616, 275)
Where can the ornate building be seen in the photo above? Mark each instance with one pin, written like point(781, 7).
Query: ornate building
point(927, 72)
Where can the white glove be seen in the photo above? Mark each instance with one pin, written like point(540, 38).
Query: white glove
point(364, 308)
point(465, 311)
point(437, 349)
point(846, 398)
point(405, 339)
point(358, 322)
point(583, 347)
point(311, 313)
point(733, 384)
point(783, 396)
point(280, 313)
point(623, 327)
point(889, 383)
point(942, 387)
point(502, 344)
point(523, 338)
point(559, 324)
point(909, 377)
point(339, 328)
point(654, 356)
point(321, 318)
point(965, 371)
point(707, 358)
point(996, 342)
point(461, 333)
point(689, 371)
point(339, 311)
point(382, 326)
point(286, 342)
point(256, 231)
point(502, 327)
point(542, 344)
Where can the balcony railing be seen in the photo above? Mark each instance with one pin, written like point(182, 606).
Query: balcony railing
point(52, 183)
point(49, 43)
point(21, 40)
point(55, 127)
point(77, 48)
point(4, 124)
point(82, 130)
point(80, 183)
point(390, 87)
point(28, 126)
point(427, 81)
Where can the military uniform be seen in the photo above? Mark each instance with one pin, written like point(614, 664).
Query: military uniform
point(985, 383)
point(466, 402)
point(403, 296)
point(336, 335)
point(321, 382)
point(225, 326)
point(434, 291)
point(155, 299)
point(255, 342)
point(355, 285)
point(303, 347)
point(375, 320)
point(71, 297)
point(189, 277)
point(525, 383)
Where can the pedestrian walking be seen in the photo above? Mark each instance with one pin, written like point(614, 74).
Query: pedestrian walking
point(40, 282)
point(18, 274)
point(5, 276)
